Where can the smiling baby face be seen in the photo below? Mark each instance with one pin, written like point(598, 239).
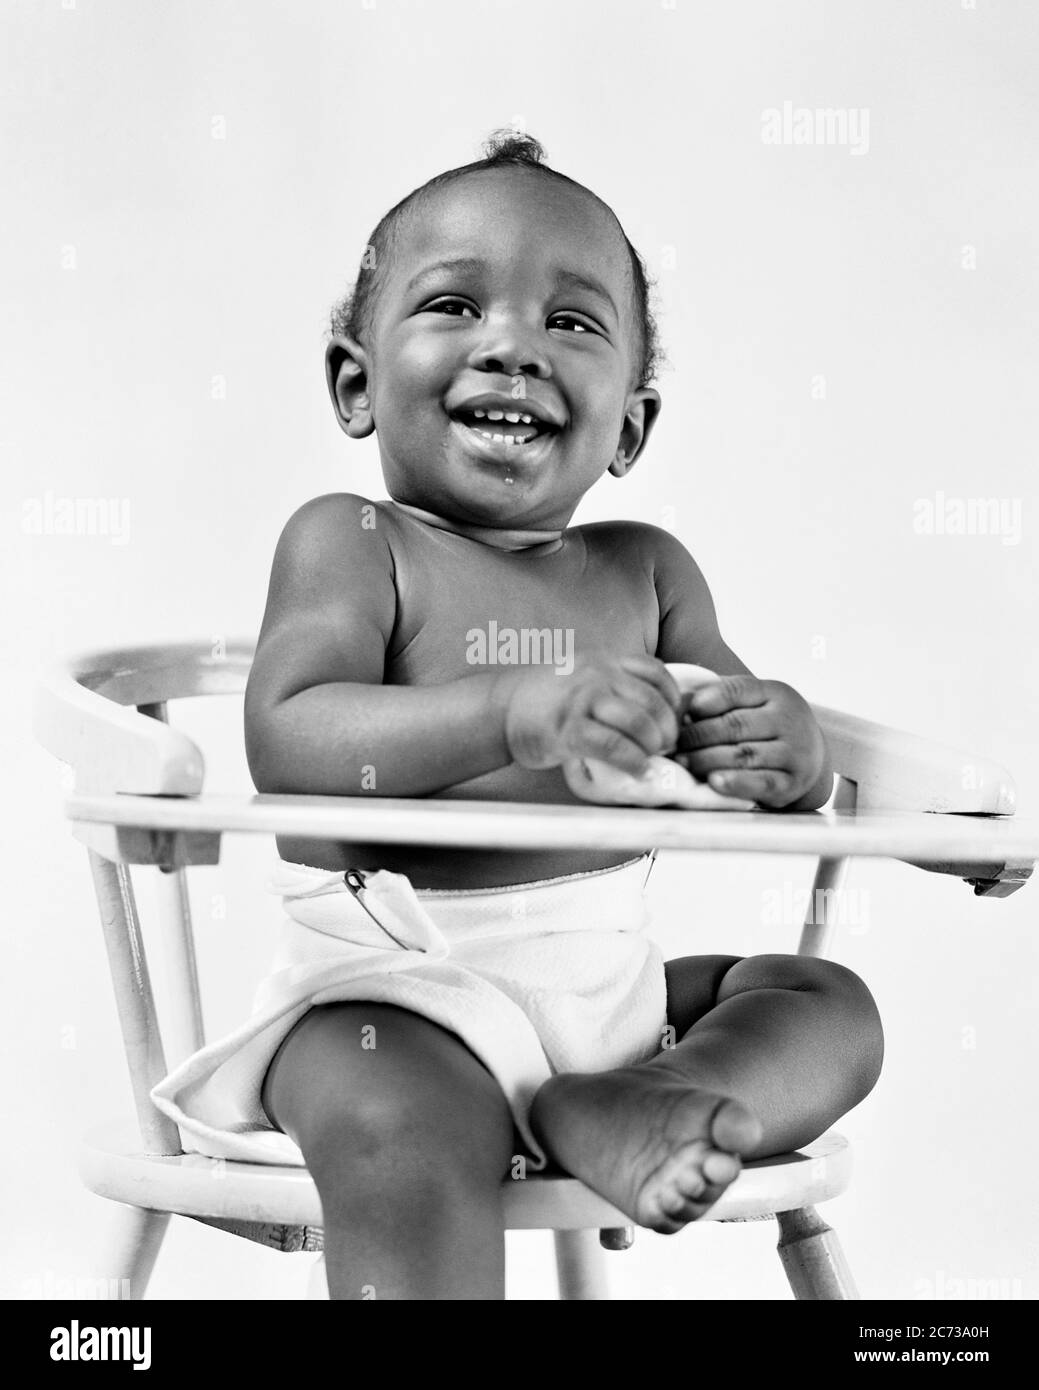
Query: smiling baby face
point(498, 369)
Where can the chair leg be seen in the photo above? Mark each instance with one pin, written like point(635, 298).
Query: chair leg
point(579, 1265)
point(132, 1248)
point(812, 1257)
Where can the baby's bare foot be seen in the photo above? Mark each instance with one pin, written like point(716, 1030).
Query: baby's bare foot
point(654, 1146)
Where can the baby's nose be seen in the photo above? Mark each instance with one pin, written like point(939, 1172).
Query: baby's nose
point(512, 352)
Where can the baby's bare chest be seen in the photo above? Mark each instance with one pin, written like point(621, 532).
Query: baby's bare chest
point(460, 611)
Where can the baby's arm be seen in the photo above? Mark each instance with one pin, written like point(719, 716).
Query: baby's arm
point(319, 720)
point(749, 738)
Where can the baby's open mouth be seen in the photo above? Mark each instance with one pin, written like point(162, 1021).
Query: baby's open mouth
point(503, 426)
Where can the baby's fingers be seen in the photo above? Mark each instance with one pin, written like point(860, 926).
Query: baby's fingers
point(724, 694)
point(610, 746)
point(640, 695)
point(767, 787)
point(656, 674)
point(735, 726)
point(637, 720)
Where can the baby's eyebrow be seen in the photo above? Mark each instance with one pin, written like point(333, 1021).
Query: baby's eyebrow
point(468, 265)
point(575, 280)
point(461, 265)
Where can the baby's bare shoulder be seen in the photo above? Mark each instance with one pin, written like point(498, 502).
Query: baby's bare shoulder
point(332, 555)
point(334, 531)
point(649, 548)
point(336, 512)
point(331, 601)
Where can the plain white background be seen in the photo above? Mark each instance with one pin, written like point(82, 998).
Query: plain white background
point(188, 188)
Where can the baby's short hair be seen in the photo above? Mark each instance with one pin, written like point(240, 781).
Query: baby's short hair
point(352, 315)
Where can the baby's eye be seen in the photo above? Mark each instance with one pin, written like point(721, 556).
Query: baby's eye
point(571, 322)
point(455, 308)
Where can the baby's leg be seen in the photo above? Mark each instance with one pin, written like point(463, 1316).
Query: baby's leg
point(408, 1142)
point(770, 1051)
point(796, 1039)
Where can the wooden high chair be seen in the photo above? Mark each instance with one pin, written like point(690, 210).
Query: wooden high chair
point(139, 800)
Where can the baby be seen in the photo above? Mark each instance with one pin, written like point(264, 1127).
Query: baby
point(463, 640)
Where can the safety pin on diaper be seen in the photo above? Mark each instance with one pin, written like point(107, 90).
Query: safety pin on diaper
point(354, 880)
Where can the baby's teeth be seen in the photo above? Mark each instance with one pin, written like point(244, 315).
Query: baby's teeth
point(527, 419)
point(479, 414)
point(512, 419)
point(496, 415)
point(504, 438)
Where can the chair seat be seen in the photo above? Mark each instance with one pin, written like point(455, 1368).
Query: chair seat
point(111, 1165)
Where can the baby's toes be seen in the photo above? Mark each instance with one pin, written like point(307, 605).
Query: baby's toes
point(699, 1182)
point(735, 1128)
point(682, 1195)
point(683, 1174)
point(674, 1211)
point(719, 1169)
point(680, 1210)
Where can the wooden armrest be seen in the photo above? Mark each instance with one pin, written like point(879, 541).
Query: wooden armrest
point(84, 713)
point(111, 747)
point(898, 771)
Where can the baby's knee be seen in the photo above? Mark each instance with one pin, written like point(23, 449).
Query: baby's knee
point(845, 995)
point(834, 980)
point(373, 1151)
point(860, 1009)
point(404, 1150)
point(851, 999)
point(808, 973)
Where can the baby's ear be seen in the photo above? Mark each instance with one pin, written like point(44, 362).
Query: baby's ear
point(346, 371)
point(639, 418)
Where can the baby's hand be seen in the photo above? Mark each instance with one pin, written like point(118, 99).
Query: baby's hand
point(619, 709)
point(752, 738)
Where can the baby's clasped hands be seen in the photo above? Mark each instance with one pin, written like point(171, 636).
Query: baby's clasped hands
point(634, 731)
